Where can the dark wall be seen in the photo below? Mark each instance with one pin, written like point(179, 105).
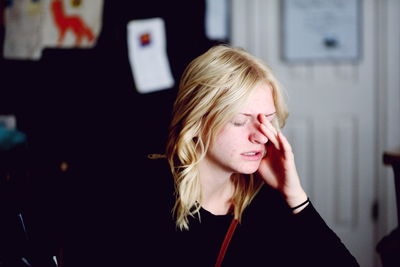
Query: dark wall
point(77, 100)
point(81, 107)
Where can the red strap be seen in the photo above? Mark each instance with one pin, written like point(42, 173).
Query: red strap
point(225, 244)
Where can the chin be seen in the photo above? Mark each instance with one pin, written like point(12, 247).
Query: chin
point(248, 171)
point(246, 168)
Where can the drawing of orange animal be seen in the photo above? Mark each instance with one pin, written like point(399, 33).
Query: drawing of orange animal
point(65, 23)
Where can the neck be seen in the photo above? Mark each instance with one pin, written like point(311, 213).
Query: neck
point(216, 187)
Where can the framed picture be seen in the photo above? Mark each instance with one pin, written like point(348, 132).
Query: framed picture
point(321, 30)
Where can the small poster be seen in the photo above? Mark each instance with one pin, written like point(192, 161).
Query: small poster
point(71, 23)
point(148, 56)
point(320, 30)
point(31, 25)
point(217, 19)
point(22, 19)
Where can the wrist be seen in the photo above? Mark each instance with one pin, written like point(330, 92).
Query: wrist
point(295, 199)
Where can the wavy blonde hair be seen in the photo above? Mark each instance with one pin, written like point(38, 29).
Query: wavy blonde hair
point(212, 89)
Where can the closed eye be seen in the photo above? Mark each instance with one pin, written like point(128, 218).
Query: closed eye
point(238, 124)
point(271, 116)
point(240, 120)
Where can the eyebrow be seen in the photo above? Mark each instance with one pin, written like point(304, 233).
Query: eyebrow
point(266, 115)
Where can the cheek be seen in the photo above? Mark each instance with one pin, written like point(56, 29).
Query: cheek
point(231, 147)
point(224, 148)
point(230, 141)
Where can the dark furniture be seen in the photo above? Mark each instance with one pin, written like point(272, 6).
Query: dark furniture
point(389, 246)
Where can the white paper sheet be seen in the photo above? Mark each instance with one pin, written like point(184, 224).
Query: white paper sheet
point(147, 55)
point(22, 40)
point(32, 25)
point(216, 19)
point(319, 30)
point(70, 24)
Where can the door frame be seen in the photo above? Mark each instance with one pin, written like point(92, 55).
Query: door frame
point(388, 105)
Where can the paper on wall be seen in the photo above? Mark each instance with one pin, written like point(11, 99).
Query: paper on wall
point(147, 55)
point(216, 19)
point(71, 24)
point(31, 25)
point(22, 19)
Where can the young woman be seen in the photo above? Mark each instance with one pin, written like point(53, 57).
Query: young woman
point(231, 164)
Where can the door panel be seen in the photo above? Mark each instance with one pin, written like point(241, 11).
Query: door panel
point(332, 122)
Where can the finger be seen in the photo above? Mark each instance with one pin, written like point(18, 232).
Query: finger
point(267, 123)
point(270, 126)
point(275, 124)
point(270, 135)
point(264, 121)
point(286, 147)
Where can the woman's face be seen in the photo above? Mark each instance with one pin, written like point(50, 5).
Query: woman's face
point(240, 145)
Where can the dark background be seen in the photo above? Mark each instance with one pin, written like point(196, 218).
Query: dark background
point(80, 106)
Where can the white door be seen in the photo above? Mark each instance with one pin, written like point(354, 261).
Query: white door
point(332, 122)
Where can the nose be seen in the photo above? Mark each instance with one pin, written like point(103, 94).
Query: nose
point(256, 136)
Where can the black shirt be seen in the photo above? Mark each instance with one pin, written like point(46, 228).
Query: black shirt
point(268, 235)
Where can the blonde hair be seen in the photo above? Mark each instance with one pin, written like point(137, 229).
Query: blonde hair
point(212, 89)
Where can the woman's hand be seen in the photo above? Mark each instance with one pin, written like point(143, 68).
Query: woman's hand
point(278, 168)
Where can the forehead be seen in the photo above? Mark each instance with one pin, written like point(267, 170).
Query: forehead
point(260, 101)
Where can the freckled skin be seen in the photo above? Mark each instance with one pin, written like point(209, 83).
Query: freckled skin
point(226, 153)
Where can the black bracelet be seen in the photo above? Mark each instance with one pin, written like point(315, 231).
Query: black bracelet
point(302, 204)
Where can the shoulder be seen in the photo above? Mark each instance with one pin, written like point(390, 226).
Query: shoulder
point(154, 166)
point(269, 198)
point(157, 191)
point(267, 206)
point(156, 184)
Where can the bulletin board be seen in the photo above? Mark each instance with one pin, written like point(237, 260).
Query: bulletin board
point(321, 30)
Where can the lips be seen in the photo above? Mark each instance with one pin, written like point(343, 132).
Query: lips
point(253, 155)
